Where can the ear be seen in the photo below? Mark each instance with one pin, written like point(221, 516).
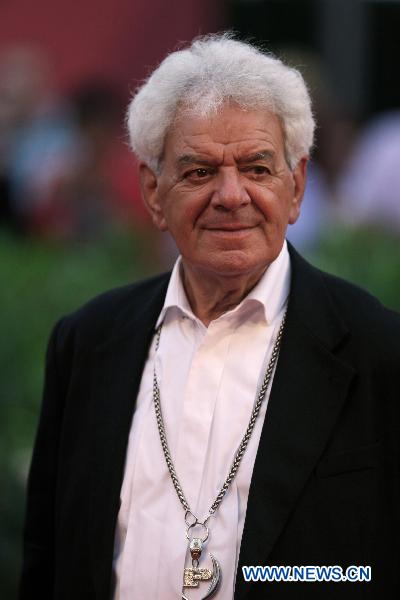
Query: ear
point(150, 193)
point(299, 175)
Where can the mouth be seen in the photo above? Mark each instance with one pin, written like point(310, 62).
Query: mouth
point(229, 227)
point(229, 230)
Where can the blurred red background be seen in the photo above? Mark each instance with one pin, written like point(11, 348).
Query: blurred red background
point(119, 41)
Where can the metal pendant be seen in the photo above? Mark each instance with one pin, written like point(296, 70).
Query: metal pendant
point(193, 575)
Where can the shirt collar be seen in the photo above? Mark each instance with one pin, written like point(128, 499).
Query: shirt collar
point(270, 293)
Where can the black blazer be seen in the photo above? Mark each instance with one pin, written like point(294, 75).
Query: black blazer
point(325, 486)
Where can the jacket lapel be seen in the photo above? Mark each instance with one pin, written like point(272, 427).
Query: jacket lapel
point(118, 366)
point(309, 389)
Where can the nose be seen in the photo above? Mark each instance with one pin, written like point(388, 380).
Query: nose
point(229, 193)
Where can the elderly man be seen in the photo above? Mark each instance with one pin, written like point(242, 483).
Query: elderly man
point(174, 447)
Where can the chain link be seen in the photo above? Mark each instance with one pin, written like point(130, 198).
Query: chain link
point(243, 444)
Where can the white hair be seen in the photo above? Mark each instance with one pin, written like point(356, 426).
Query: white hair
point(213, 70)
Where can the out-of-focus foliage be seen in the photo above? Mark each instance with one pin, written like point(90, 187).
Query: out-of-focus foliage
point(369, 257)
point(41, 282)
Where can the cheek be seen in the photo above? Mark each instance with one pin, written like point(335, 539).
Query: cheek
point(180, 219)
point(274, 206)
point(182, 211)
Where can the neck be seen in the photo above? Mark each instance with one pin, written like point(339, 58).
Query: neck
point(210, 295)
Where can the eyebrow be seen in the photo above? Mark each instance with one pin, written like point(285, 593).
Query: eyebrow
point(261, 155)
point(189, 159)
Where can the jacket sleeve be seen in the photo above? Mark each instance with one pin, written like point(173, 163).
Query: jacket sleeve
point(37, 578)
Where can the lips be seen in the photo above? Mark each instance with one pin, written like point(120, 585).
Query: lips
point(236, 233)
point(229, 227)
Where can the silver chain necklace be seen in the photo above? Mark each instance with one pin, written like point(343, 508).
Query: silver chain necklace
point(193, 575)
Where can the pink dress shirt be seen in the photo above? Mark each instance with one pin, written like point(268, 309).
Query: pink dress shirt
point(208, 378)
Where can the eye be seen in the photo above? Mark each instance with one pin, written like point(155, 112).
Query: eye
point(197, 174)
point(260, 170)
point(257, 171)
point(201, 172)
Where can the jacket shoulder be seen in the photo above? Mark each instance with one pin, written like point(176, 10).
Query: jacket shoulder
point(95, 320)
point(358, 308)
point(371, 323)
point(358, 303)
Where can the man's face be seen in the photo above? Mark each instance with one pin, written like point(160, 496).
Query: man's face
point(225, 192)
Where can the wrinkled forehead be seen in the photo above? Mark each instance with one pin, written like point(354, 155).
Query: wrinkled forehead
point(230, 130)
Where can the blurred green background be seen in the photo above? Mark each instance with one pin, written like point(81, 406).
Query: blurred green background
point(42, 281)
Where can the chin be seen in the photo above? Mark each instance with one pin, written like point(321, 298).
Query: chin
point(231, 264)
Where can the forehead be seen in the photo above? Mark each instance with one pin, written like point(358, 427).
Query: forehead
point(232, 131)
